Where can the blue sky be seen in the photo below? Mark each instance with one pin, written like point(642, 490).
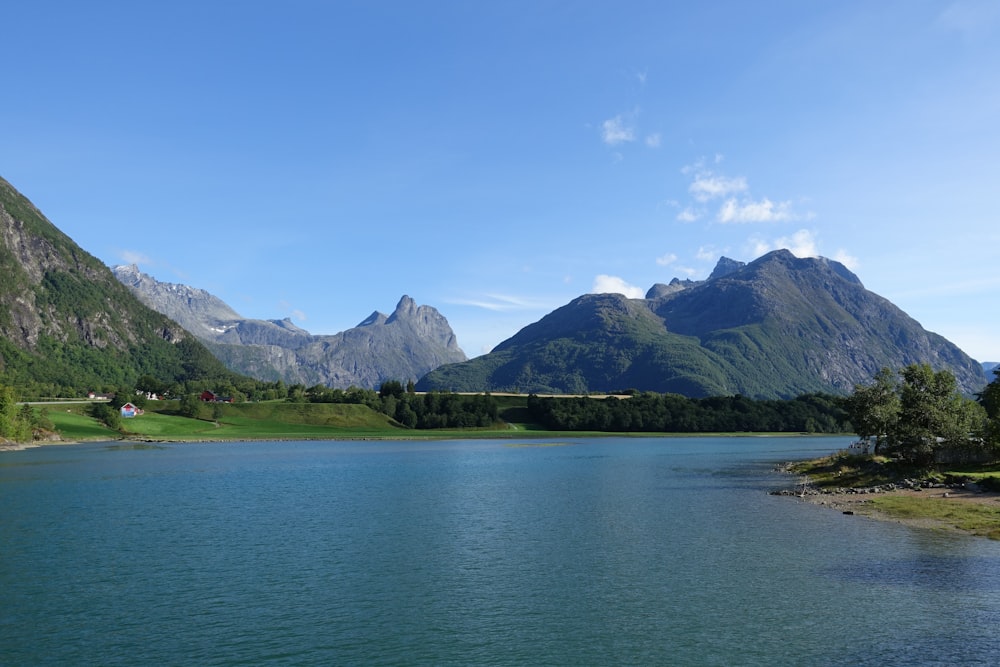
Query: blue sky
point(318, 160)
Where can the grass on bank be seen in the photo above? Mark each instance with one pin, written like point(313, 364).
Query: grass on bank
point(850, 471)
point(974, 518)
point(845, 471)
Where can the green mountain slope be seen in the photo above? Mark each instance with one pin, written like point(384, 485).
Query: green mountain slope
point(67, 324)
point(775, 328)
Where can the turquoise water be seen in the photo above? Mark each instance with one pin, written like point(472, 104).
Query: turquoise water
point(595, 552)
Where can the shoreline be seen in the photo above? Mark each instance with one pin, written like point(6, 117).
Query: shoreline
point(860, 505)
point(864, 502)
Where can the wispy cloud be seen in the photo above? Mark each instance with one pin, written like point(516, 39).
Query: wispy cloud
point(848, 260)
point(617, 130)
point(738, 205)
point(500, 302)
point(666, 260)
point(653, 140)
point(292, 311)
point(803, 243)
point(707, 253)
point(747, 210)
point(604, 284)
point(134, 257)
point(689, 214)
point(707, 185)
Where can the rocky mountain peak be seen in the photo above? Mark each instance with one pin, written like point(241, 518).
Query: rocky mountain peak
point(725, 266)
point(406, 308)
point(403, 346)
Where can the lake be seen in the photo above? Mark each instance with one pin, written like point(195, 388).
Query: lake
point(605, 551)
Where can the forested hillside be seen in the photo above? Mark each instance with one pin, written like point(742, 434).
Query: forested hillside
point(67, 325)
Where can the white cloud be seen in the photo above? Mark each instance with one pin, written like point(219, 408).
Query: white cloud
point(708, 186)
point(803, 243)
point(666, 260)
point(755, 211)
point(615, 131)
point(134, 257)
point(739, 205)
point(299, 315)
point(686, 270)
point(653, 140)
point(707, 253)
point(850, 261)
point(688, 215)
point(759, 247)
point(604, 284)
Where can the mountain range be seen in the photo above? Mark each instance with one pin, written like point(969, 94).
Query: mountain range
point(778, 327)
point(66, 323)
point(404, 345)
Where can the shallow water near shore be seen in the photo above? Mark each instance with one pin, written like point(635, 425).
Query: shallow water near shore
point(645, 551)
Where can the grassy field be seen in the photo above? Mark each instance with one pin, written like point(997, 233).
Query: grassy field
point(277, 420)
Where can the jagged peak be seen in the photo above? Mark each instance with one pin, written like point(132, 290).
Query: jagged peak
point(788, 259)
point(375, 318)
point(725, 266)
point(660, 290)
point(406, 305)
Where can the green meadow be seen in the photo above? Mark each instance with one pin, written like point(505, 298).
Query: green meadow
point(283, 420)
point(275, 420)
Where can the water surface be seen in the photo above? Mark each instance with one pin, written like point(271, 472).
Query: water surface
point(604, 551)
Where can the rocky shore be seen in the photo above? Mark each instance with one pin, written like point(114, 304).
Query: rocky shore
point(861, 500)
point(806, 489)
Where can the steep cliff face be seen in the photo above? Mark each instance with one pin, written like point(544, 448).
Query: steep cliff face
point(405, 345)
point(774, 328)
point(64, 319)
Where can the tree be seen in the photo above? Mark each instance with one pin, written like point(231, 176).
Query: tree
point(874, 409)
point(15, 423)
point(189, 406)
point(392, 388)
point(989, 398)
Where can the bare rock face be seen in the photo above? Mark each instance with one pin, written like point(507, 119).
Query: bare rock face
point(404, 346)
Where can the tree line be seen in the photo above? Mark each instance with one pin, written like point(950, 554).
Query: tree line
point(19, 423)
point(919, 416)
point(915, 414)
point(672, 413)
point(431, 410)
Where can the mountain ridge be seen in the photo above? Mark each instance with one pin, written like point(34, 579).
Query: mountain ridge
point(403, 345)
point(777, 327)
